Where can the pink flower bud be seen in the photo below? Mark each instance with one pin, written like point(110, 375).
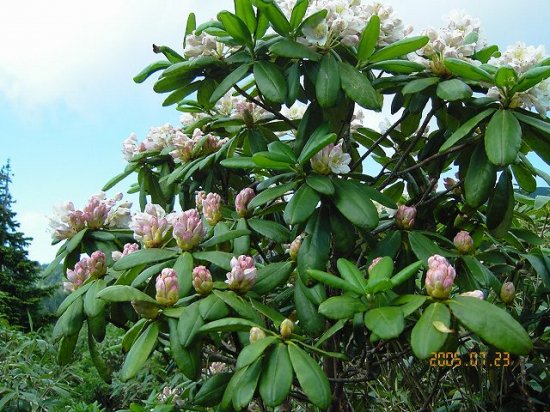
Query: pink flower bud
point(183, 148)
point(439, 277)
point(167, 287)
point(96, 264)
point(507, 292)
point(256, 334)
point(243, 274)
point(404, 218)
point(129, 248)
point(463, 242)
point(146, 310)
point(474, 294)
point(151, 226)
point(373, 264)
point(96, 211)
point(242, 200)
point(199, 197)
point(211, 208)
point(295, 247)
point(78, 275)
point(202, 280)
point(287, 326)
point(188, 229)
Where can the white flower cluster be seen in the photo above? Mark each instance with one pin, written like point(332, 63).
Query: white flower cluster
point(157, 139)
point(521, 58)
point(199, 144)
point(346, 20)
point(203, 44)
point(458, 39)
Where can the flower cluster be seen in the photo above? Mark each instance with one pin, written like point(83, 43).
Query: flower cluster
point(458, 39)
point(99, 212)
point(331, 159)
point(243, 274)
point(211, 208)
point(150, 226)
point(167, 287)
point(521, 58)
point(87, 267)
point(203, 44)
point(157, 139)
point(439, 277)
point(188, 229)
point(199, 144)
point(345, 21)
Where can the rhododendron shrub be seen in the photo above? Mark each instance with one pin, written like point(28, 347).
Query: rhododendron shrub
point(263, 240)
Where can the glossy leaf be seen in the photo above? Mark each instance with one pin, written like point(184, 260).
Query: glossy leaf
point(270, 81)
point(327, 85)
point(141, 349)
point(502, 138)
point(387, 322)
point(277, 377)
point(425, 338)
point(358, 87)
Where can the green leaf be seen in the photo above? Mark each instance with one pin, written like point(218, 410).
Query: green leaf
point(293, 50)
point(301, 205)
point(327, 85)
point(311, 322)
point(541, 125)
point(351, 274)
point(131, 335)
point(71, 298)
point(531, 78)
point(149, 70)
point(66, 349)
point(224, 237)
point(270, 81)
point(141, 349)
point(238, 304)
point(369, 39)
point(418, 85)
point(321, 184)
point(220, 259)
point(271, 230)
point(502, 138)
point(247, 386)
point(239, 162)
point(358, 87)
point(228, 324)
point(406, 273)
point(271, 276)
point(210, 394)
point(409, 303)
point(465, 129)
point(453, 89)
point(353, 202)
point(480, 178)
point(70, 322)
point(298, 13)
point(270, 194)
point(276, 17)
point(92, 305)
point(501, 206)
point(467, 70)
point(387, 322)
point(144, 256)
point(123, 293)
point(212, 308)
point(111, 183)
point(228, 82)
point(184, 270)
point(151, 271)
point(399, 48)
point(505, 77)
point(274, 161)
point(424, 247)
point(341, 307)
point(399, 66)
point(319, 139)
point(425, 338)
point(187, 359)
point(252, 352)
point(311, 377)
point(315, 247)
point(277, 377)
point(235, 27)
point(244, 10)
point(334, 281)
point(189, 324)
point(492, 324)
point(524, 177)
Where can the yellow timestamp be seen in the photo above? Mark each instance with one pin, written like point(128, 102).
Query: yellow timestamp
point(472, 359)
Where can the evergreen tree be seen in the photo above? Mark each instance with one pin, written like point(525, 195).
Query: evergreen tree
point(19, 294)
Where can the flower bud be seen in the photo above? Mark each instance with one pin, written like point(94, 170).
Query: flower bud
point(474, 294)
point(167, 287)
point(463, 242)
point(439, 277)
point(188, 229)
point(507, 292)
point(96, 211)
point(202, 280)
point(151, 226)
point(242, 200)
point(404, 218)
point(243, 274)
point(77, 276)
point(199, 197)
point(295, 248)
point(146, 310)
point(256, 334)
point(211, 208)
point(96, 264)
point(129, 248)
point(287, 326)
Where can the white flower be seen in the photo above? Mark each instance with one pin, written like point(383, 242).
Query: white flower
point(202, 45)
point(317, 35)
point(339, 161)
point(296, 111)
point(119, 216)
point(66, 221)
point(130, 147)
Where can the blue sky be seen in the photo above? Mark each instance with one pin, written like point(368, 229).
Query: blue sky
point(67, 99)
